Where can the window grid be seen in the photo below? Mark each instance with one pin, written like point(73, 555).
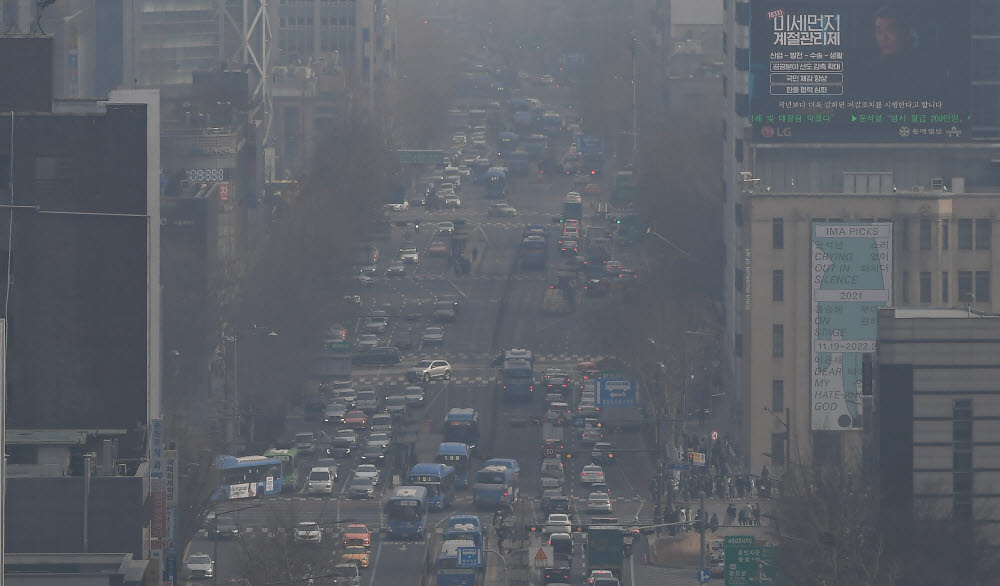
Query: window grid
point(945, 234)
point(984, 230)
point(777, 340)
point(925, 234)
point(778, 233)
point(965, 234)
point(778, 285)
point(777, 395)
point(944, 287)
point(925, 287)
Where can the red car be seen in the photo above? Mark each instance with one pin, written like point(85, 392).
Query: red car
point(356, 419)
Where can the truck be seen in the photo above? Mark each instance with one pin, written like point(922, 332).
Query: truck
point(605, 548)
point(563, 292)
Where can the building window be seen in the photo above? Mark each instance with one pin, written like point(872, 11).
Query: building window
point(738, 345)
point(962, 422)
point(945, 234)
point(982, 286)
point(778, 232)
point(777, 395)
point(738, 280)
point(962, 458)
point(964, 286)
point(925, 287)
point(739, 214)
point(984, 229)
point(905, 233)
point(944, 287)
point(778, 285)
point(965, 234)
point(777, 340)
point(906, 287)
point(925, 234)
point(738, 150)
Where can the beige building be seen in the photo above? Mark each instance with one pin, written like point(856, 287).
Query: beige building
point(937, 406)
point(942, 255)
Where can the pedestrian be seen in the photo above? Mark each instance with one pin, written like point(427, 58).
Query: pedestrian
point(731, 514)
point(714, 523)
point(475, 253)
point(756, 515)
point(743, 517)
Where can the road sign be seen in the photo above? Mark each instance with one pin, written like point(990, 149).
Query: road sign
point(468, 557)
point(696, 458)
point(715, 435)
point(704, 575)
point(542, 558)
point(549, 451)
point(419, 157)
point(684, 467)
point(589, 145)
point(741, 557)
point(338, 346)
point(578, 421)
point(616, 392)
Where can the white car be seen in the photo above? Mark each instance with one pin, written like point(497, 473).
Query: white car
point(557, 523)
point(364, 280)
point(591, 474)
point(308, 532)
point(367, 471)
point(599, 502)
point(458, 139)
point(396, 269)
point(425, 370)
point(379, 439)
point(434, 335)
point(453, 201)
point(409, 254)
point(367, 341)
point(199, 565)
point(398, 206)
point(446, 228)
point(320, 481)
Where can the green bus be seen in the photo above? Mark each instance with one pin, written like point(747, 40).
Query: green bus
point(289, 467)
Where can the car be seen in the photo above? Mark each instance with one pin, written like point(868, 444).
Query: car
point(384, 355)
point(439, 248)
point(554, 501)
point(558, 413)
point(592, 188)
point(599, 574)
point(334, 413)
point(501, 209)
point(613, 267)
point(381, 423)
point(459, 139)
point(305, 442)
point(426, 370)
point(571, 223)
point(452, 201)
point(398, 206)
point(587, 408)
point(551, 398)
point(409, 254)
point(581, 181)
point(364, 280)
point(346, 573)
point(355, 555)
point(444, 310)
point(380, 439)
point(373, 454)
point(361, 488)
point(414, 395)
point(433, 335)
point(591, 473)
point(367, 341)
point(396, 269)
point(357, 534)
point(320, 481)
point(308, 532)
point(557, 523)
point(331, 465)
point(599, 502)
point(553, 372)
point(591, 434)
point(222, 527)
point(395, 405)
point(377, 322)
point(446, 228)
point(600, 487)
point(558, 382)
point(549, 483)
point(607, 582)
point(199, 565)
point(368, 269)
point(453, 299)
point(340, 448)
point(546, 79)
point(367, 471)
point(356, 420)
point(569, 247)
point(418, 200)
point(347, 435)
point(464, 170)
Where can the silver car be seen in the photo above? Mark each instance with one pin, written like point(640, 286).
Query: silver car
point(414, 395)
point(426, 370)
point(361, 488)
point(199, 565)
point(434, 335)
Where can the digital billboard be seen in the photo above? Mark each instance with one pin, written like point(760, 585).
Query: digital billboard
point(859, 70)
point(851, 279)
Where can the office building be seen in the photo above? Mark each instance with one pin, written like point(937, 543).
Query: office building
point(166, 42)
point(936, 404)
point(794, 155)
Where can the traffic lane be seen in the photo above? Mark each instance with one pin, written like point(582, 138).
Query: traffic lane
point(227, 554)
point(396, 562)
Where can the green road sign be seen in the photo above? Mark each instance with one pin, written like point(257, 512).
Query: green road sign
point(416, 157)
point(338, 346)
point(747, 563)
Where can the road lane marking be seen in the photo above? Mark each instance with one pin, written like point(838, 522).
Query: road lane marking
point(378, 554)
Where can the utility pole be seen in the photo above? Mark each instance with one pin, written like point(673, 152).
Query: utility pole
point(704, 522)
point(635, 105)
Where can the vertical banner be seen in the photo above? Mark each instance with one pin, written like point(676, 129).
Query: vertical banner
point(156, 448)
point(158, 509)
point(851, 279)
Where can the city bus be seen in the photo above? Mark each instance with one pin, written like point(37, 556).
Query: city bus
point(439, 480)
point(461, 424)
point(495, 487)
point(449, 571)
point(456, 455)
point(290, 461)
point(572, 207)
point(247, 477)
point(406, 512)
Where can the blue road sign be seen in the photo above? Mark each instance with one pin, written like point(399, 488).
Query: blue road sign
point(578, 421)
point(704, 575)
point(685, 467)
point(589, 145)
point(616, 392)
point(468, 557)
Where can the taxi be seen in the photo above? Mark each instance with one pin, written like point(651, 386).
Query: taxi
point(355, 554)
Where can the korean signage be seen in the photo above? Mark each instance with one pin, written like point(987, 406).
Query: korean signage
point(851, 279)
point(158, 507)
point(749, 563)
point(156, 449)
point(616, 391)
point(859, 70)
point(170, 476)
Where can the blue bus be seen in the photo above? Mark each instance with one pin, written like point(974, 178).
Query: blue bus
point(495, 487)
point(439, 480)
point(506, 143)
point(496, 183)
point(518, 379)
point(461, 424)
point(450, 572)
point(247, 477)
point(456, 455)
point(406, 512)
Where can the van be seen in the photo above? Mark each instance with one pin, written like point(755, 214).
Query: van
point(552, 468)
point(347, 396)
point(366, 401)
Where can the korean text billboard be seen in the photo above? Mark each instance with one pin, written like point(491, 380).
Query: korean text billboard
point(859, 70)
point(851, 279)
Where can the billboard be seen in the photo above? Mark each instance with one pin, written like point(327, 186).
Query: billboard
point(851, 279)
point(859, 70)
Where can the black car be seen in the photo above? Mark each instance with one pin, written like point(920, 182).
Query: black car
point(379, 355)
point(603, 453)
point(340, 449)
point(224, 527)
point(373, 454)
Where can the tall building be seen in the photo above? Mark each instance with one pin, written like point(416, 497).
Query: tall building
point(80, 280)
point(828, 123)
point(166, 42)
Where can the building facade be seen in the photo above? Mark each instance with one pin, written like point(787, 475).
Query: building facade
point(937, 402)
point(779, 177)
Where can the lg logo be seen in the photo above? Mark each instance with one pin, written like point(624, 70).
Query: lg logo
point(771, 132)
